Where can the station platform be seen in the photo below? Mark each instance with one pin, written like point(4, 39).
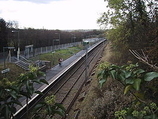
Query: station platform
point(55, 72)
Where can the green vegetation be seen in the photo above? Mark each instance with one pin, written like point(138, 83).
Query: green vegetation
point(48, 108)
point(138, 111)
point(129, 75)
point(11, 92)
point(133, 80)
point(134, 26)
point(19, 83)
point(54, 56)
point(15, 71)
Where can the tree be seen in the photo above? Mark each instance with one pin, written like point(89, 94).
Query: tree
point(134, 26)
point(133, 22)
point(3, 34)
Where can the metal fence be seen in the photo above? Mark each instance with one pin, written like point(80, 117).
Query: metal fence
point(47, 49)
point(41, 50)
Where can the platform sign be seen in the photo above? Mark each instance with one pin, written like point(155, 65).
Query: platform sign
point(5, 70)
point(56, 39)
point(85, 43)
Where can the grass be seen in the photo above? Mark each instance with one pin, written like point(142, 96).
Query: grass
point(15, 71)
point(54, 56)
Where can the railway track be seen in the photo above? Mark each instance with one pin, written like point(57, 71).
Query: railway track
point(68, 86)
point(68, 92)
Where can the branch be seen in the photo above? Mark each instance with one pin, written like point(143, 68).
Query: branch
point(143, 58)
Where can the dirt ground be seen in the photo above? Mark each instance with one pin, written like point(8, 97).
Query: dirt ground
point(96, 103)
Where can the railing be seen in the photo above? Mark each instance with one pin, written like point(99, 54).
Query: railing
point(41, 50)
point(23, 64)
point(47, 49)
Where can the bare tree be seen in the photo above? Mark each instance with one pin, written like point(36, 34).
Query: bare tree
point(144, 58)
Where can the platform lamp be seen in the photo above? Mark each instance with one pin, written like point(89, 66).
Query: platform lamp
point(18, 51)
point(58, 37)
point(73, 39)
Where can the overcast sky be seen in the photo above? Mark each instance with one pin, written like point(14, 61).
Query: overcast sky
point(53, 14)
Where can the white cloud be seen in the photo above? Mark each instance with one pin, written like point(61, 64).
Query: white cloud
point(65, 14)
point(39, 1)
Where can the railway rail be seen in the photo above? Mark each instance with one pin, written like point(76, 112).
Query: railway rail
point(68, 85)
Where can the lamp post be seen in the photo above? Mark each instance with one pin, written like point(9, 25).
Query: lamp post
point(58, 37)
point(53, 48)
point(53, 57)
point(73, 38)
point(85, 44)
point(18, 51)
point(86, 62)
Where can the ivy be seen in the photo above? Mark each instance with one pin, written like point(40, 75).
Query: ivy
point(48, 108)
point(11, 92)
point(129, 75)
point(138, 111)
point(132, 78)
